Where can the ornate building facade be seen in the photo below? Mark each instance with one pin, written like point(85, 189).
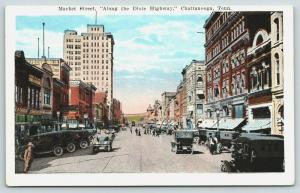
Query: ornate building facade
point(228, 37)
point(277, 72)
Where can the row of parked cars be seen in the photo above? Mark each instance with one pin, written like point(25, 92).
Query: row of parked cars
point(60, 139)
point(250, 152)
point(56, 140)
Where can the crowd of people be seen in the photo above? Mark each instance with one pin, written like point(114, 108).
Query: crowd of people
point(147, 131)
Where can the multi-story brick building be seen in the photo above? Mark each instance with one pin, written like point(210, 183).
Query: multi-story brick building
point(61, 72)
point(100, 109)
point(180, 105)
point(90, 55)
point(165, 100)
point(33, 94)
point(228, 38)
point(260, 81)
point(81, 101)
point(117, 111)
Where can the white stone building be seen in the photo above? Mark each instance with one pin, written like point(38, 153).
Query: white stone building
point(90, 55)
point(195, 91)
point(277, 72)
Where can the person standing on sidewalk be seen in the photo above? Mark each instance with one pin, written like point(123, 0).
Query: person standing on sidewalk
point(28, 157)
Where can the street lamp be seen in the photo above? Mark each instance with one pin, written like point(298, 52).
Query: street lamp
point(85, 116)
point(218, 118)
point(58, 114)
point(95, 122)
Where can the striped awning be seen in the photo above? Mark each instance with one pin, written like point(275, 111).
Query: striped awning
point(207, 123)
point(228, 123)
point(257, 124)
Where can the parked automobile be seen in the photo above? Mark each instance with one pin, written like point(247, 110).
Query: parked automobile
point(56, 142)
point(102, 142)
point(226, 137)
point(256, 153)
point(163, 129)
point(183, 141)
point(170, 130)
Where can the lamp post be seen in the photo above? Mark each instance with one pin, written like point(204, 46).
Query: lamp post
point(218, 118)
point(85, 116)
point(58, 114)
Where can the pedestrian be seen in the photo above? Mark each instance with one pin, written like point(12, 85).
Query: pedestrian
point(28, 157)
point(136, 131)
point(131, 130)
point(139, 132)
point(211, 145)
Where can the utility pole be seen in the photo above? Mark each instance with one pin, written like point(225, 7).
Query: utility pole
point(48, 51)
point(96, 18)
point(43, 39)
point(38, 47)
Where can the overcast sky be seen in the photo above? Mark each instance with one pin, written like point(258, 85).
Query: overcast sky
point(149, 53)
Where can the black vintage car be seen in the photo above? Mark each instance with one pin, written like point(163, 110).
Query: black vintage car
point(56, 142)
point(226, 138)
point(256, 153)
point(183, 141)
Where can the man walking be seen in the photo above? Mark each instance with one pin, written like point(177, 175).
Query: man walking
point(28, 157)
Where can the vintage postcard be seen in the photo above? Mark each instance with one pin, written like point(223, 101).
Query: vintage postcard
point(155, 95)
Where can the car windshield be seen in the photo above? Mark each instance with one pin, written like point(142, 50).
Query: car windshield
point(184, 134)
point(103, 138)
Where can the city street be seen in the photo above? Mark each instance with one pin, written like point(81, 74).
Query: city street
point(132, 153)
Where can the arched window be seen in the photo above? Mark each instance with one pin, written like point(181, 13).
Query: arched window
point(276, 21)
point(199, 79)
point(277, 64)
point(259, 40)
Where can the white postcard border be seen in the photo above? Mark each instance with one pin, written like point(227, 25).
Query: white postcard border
point(147, 179)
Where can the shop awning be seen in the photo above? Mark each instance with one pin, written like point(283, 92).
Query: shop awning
point(228, 123)
point(257, 124)
point(207, 123)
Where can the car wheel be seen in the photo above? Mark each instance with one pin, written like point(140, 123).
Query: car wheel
point(58, 151)
point(226, 167)
point(71, 147)
point(83, 144)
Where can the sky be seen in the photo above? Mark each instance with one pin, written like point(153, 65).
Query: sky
point(149, 54)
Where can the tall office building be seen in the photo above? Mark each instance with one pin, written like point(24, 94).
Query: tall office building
point(90, 55)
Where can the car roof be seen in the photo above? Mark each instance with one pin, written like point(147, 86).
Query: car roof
point(256, 137)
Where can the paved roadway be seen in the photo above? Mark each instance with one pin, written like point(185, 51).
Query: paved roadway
point(132, 153)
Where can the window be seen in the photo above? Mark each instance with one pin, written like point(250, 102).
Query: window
point(238, 111)
point(276, 21)
point(200, 79)
point(259, 40)
point(262, 112)
point(199, 108)
point(216, 91)
point(32, 92)
point(47, 96)
point(277, 68)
